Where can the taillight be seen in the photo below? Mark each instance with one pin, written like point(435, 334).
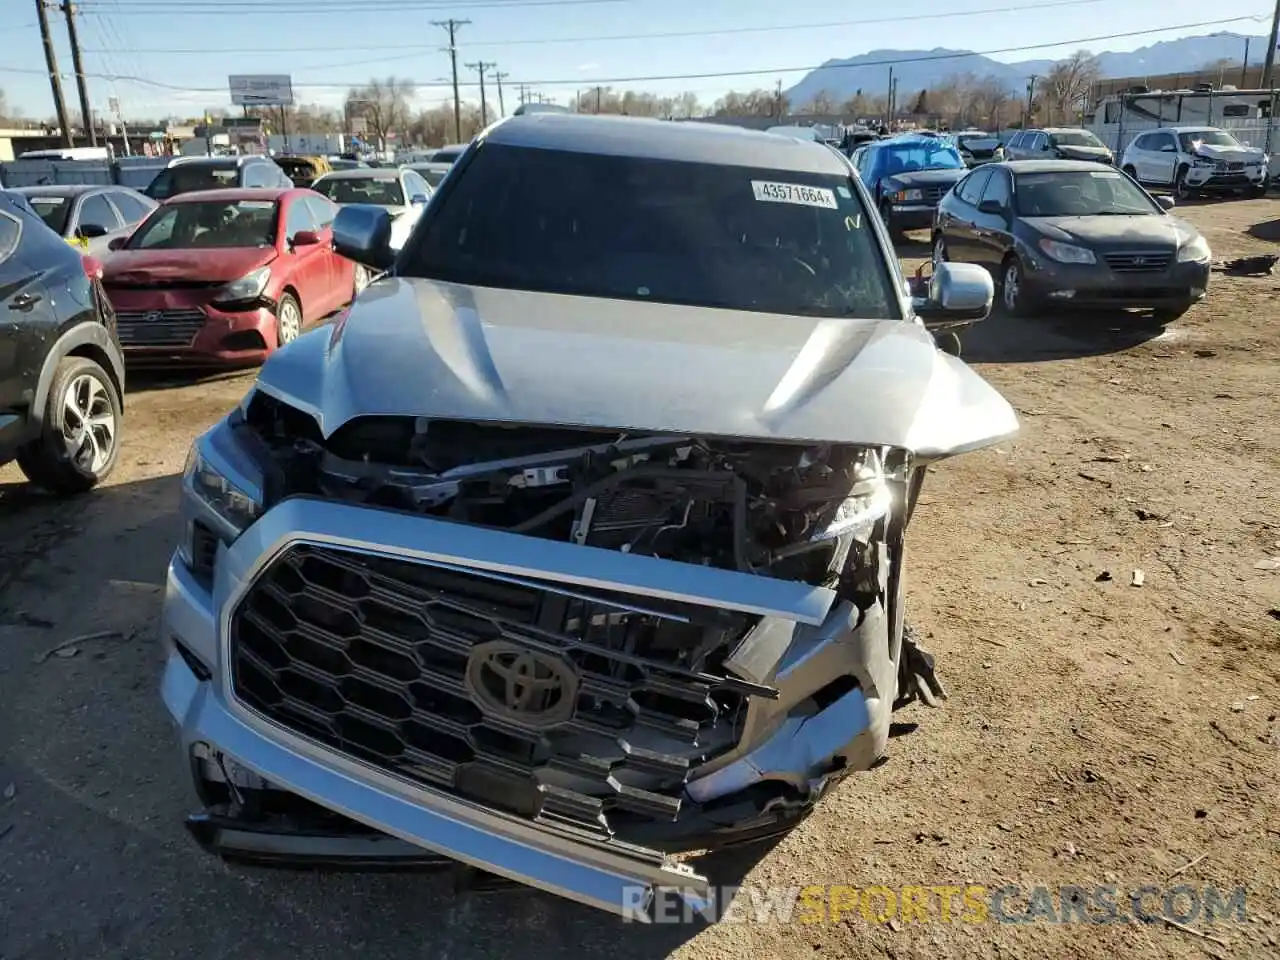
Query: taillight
point(92, 268)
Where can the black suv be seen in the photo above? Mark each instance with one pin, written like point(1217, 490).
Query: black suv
point(61, 369)
point(187, 174)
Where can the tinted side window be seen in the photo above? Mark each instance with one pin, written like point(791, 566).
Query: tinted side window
point(299, 217)
point(998, 188)
point(1015, 143)
point(10, 231)
point(971, 190)
point(416, 186)
point(130, 207)
point(1140, 143)
point(96, 212)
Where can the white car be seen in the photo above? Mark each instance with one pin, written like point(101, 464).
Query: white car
point(401, 191)
point(1194, 160)
point(431, 171)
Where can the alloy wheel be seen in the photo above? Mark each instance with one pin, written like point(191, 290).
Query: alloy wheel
point(88, 424)
point(1012, 287)
point(939, 252)
point(290, 321)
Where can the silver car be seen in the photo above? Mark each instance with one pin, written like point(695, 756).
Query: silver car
point(88, 216)
point(579, 542)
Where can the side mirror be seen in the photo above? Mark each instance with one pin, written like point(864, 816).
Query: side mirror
point(418, 199)
point(305, 238)
point(959, 294)
point(91, 231)
point(991, 207)
point(116, 243)
point(362, 232)
point(1165, 201)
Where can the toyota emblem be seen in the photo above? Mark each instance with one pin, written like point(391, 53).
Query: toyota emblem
point(526, 686)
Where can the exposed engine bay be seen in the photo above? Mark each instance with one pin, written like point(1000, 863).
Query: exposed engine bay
point(784, 510)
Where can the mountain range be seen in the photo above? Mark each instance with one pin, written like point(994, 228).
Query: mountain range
point(917, 70)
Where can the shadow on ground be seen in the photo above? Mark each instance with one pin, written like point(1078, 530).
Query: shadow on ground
point(94, 860)
point(1268, 230)
point(1056, 335)
point(186, 375)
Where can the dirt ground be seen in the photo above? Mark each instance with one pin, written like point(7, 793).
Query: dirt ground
point(1097, 732)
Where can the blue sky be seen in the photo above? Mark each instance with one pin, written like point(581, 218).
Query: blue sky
point(328, 45)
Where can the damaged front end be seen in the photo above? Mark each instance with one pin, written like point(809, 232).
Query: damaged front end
point(613, 645)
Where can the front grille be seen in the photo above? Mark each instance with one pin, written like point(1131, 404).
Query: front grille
point(1234, 165)
point(1139, 261)
point(384, 660)
point(159, 328)
point(933, 194)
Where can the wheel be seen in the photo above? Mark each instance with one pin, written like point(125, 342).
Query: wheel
point(1130, 171)
point(1166, 315)
point(80, 440)
point(359, 281)
point(1180, 188)
point(288, 319)
point(939, 251)
point(895, 232)
point(1259, 189)
point(1013, 292)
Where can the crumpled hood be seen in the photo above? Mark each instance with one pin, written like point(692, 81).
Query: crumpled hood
point(431, 349)
point(159, 266)
point(1239, 154)
point(926, 178)
point(1147, 232)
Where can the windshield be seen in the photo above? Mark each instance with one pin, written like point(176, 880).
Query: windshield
point(1211, 138)
point(626, 228)
point(983, 141)
point(1081, 193)
point(433, 177)
point(383, 193)
point(1074, 138)
point(445, 156)
point(922, 155)
point(52, 210)
point(187, 178)
point(207, 225)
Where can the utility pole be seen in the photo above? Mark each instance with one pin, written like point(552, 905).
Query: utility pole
point(452, 26)
point(1031, 93)
point(499, 76)
point(55, 80)
point(1244, 67)
point(598, 96)
point(69, 10)
point(888, 103)
point(777, 99)
point(1268, 71)
point(480, 66)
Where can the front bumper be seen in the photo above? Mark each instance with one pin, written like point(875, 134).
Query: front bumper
point(912, 216)
point(809, 638)
point(1096, 285)
point(1212, 179)
point(216, 338)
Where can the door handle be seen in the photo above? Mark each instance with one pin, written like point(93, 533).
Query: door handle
point(24, 302)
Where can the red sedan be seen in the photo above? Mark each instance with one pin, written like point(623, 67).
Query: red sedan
point(226, 276)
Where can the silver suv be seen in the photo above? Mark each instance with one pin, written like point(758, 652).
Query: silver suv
point(578, 542)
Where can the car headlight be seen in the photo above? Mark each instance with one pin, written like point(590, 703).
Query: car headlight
point(1066, 252)
point(231, 505)
point(906, 196)
point(1204, 162)
point(868, 502)
point(1195, 250)
point(248, 287)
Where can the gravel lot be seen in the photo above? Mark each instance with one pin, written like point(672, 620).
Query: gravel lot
point(1097, 732)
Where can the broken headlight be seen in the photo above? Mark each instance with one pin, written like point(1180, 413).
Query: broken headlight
point(215, 501)
point(867, 503)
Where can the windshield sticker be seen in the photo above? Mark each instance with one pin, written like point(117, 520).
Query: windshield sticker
point(797, 193)
point(844, 193)
point(1104, 174)
point(256, 204)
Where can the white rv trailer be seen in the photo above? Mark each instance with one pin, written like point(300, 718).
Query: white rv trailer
point(1248, 115)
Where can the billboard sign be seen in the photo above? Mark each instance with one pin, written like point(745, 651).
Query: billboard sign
point(261, 90)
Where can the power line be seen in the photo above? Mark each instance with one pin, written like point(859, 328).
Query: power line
point(148, 8)
point(724, 75)
point(665, 35)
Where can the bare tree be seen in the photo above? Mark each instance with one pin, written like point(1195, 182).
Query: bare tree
point(1067, 84)
point(753, 103)
point(384, 104)
point(822, 104)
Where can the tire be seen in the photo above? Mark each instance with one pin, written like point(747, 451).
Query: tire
point(948, 342)
point(1180, 188)
point(939, 250)
point(80, 441)
point(288, 320)
point(1013, 294)
point(895, 232)
point(1260, 189)
point(1130, 171)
